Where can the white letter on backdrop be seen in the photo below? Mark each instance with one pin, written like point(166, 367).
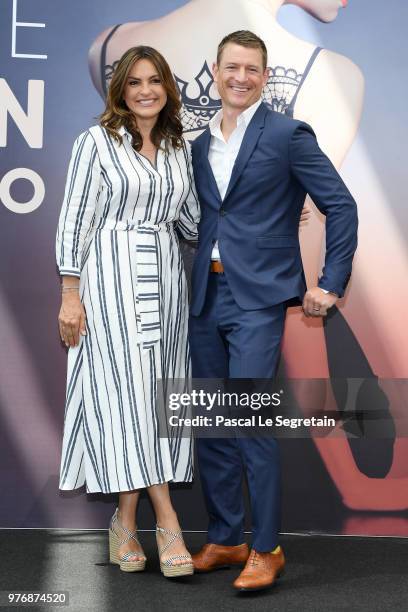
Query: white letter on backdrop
point(30, 124)
point(20, 207)
point(22, 24)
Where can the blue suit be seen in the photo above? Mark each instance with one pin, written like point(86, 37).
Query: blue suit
point(237, 318)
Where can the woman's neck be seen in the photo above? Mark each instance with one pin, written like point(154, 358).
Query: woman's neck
point(238, 10)
point(272, 6)
point(145, 127)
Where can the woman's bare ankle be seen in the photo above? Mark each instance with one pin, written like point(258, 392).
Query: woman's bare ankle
point(127, 519)
point(168, 520)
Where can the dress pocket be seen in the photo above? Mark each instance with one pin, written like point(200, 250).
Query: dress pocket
point(148, 325)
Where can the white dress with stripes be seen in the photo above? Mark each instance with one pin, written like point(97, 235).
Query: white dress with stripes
point(116, 233)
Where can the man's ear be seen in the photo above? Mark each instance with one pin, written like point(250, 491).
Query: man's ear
point(266, 75)
point(215, 71)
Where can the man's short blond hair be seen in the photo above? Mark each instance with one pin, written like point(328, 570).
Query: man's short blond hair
point(244, 38)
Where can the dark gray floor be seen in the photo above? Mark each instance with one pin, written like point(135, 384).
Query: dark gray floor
point(326, 574)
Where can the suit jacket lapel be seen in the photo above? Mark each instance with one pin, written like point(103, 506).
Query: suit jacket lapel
point(205, 146)
point(251, 137)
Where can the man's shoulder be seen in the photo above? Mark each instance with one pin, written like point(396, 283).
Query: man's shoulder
point(287, 125)
point(197, 142)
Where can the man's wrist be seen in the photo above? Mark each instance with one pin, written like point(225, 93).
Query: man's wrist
point(330, 292)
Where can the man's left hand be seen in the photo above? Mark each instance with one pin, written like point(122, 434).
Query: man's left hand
point(316, 302)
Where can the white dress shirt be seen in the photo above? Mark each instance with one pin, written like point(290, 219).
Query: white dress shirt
point(222, 154)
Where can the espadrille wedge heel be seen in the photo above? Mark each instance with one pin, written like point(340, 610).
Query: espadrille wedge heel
point(168, 568)
point(125, 562)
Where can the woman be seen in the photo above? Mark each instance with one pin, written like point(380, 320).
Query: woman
point(326, 90)
point(124, 307)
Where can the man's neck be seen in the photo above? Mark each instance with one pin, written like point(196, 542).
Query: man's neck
point(229, 119)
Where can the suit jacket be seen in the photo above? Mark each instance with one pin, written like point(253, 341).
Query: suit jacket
point(257, 223)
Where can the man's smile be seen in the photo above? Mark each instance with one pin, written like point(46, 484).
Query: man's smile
point(240, 88)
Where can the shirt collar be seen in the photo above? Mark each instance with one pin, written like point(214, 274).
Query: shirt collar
point(243, 119)
point(122, 131)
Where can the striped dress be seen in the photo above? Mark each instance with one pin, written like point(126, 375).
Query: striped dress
point(116, 232)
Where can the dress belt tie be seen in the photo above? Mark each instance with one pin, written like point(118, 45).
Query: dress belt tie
point(147, 304)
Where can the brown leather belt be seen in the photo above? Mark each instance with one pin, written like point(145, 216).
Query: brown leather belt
point(217, 267)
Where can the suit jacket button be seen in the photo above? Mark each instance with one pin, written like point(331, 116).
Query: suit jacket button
point(223, 212)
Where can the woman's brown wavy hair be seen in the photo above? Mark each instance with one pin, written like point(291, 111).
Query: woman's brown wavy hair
point(117, 114)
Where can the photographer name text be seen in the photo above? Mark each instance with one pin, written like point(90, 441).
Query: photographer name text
point(255, 420)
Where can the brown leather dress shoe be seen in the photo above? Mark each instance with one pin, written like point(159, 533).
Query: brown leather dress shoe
point(215, 556)
point(261, 571)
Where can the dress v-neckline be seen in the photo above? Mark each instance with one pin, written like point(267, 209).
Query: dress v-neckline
point(153, 165)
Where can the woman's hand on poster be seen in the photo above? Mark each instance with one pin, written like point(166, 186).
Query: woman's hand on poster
point(316, 302)
point(71, 319)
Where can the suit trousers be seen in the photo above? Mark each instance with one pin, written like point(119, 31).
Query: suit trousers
point(228, 342)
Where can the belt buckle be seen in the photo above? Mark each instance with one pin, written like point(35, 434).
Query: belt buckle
point(217, 267)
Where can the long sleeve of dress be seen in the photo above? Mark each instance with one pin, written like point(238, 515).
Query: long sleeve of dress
point(78, 208)
point(189, 216)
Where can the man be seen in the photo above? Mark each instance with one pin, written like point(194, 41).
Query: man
point(252, 169)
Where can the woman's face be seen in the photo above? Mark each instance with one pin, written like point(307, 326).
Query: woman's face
point(144, 93)
point(324, 10)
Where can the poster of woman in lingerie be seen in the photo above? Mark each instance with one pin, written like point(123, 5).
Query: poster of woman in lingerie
point(325, 89)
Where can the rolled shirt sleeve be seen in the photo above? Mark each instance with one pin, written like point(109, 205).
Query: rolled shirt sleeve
point(78, 208)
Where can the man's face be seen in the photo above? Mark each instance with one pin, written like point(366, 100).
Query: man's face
point(240, 76)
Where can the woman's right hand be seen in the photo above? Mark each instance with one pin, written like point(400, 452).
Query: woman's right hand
point(71, 319)
point(305, 214)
